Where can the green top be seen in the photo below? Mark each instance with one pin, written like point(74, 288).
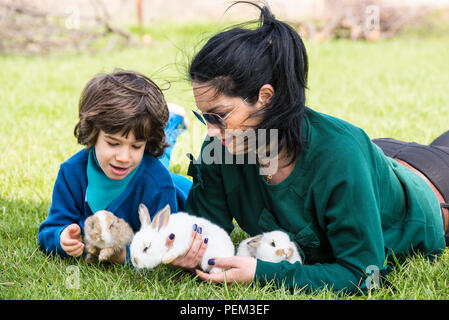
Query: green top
point(346, 204)
point(102, 190)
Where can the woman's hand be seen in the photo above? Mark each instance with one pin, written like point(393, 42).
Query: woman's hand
point(70, 240)
point(193, 256)
point(240, 269)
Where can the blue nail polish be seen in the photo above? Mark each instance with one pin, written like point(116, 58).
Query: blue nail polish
point(194, 227)
point(200, 230)
point(171, 236)
point(211, 262)
point(206, 240)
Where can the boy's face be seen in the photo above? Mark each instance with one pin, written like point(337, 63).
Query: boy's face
point(118, 155)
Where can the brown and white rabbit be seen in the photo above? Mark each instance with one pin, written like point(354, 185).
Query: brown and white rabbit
point(274, 246)
point(105, 235)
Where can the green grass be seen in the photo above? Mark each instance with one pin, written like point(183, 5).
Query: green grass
point(397, 88)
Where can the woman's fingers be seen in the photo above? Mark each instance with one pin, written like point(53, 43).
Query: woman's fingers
point(196, 244)
point(190, 259)
point(202, 250)
point(224, 263)
point(170, 240)
point(240, 269)
point(196, 251)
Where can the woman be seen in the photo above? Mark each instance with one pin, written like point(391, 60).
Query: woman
point(348, 206)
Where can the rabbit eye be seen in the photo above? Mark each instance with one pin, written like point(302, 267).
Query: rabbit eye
point(111, 225)
point(273, 244)
point(146, 248)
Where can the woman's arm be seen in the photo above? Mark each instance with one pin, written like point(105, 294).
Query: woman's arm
point(206, 199)
point(350, 209)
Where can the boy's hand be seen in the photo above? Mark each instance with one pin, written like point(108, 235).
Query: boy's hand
point(71, 241)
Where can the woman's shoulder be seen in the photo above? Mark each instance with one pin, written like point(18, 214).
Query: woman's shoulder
point(334, 144)
point(329, 124)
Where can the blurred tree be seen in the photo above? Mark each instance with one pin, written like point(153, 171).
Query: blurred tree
point(363, 19)
point(27, 29)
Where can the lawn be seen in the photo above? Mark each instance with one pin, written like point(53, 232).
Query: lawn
point(397, 88)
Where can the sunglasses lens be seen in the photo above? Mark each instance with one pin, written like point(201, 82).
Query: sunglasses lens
point(198, 116)
point(211, 118)
point(214, 119)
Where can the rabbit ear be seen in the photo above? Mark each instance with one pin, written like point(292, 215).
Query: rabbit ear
point(144, 216)
point(161, 219)
point(255, 242)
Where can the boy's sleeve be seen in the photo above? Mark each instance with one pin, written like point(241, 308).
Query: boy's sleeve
point(158, 201)
point(351, 210)
point(64, 210)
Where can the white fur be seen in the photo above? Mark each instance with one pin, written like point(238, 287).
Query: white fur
point(153, 235)
point(261, 247)
point(105, 234)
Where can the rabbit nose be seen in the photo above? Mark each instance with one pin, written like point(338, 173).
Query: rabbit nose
point(136, 261)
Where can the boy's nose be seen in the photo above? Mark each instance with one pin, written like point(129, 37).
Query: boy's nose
point(123, 155)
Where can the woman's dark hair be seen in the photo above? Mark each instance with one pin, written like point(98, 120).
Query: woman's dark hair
point(123, 101)
point(239, 61)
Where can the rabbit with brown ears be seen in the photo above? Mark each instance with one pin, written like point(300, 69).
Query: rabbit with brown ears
point(105, 236)
point(274, 246)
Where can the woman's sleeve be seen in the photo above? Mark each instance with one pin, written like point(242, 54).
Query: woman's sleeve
point(350, 209)
point(207, 197)
point(64, 210)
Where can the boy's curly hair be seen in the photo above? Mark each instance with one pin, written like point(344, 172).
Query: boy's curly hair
point(123, 101)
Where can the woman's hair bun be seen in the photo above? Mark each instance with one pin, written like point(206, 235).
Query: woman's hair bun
point(266, 16)
point(238, 61)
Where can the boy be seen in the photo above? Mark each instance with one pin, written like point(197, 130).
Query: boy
point(122, 117)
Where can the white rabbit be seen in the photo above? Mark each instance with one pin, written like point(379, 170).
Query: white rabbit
point(105, 235)
point(274, 246)
point(148, 247)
